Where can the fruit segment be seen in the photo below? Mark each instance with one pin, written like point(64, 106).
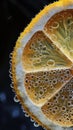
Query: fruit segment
point(60, 30)
point(41, 86)
point(59, 108)
point(41, 54)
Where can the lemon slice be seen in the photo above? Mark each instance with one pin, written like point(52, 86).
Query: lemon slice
point(42, 67)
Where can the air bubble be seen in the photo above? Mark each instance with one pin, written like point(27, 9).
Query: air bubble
point(56, 108)
point(62, 96)
point(61, 79)
point(55, 25)
point(37, 60)
point(67, 119)
point(23, 110)
point(10, 55)
point(71, 96)
point(51, 86)
point(26, 115)
point(50, 28)
point(69, 19)
point(50, 109)
point(31, 120)
point(32, 45)
point(26, 80)
point(60, 120)
point(45, 89)
point(54, 112)
point(54, 81)
point(10, 75)
point(63, 108)
point(16, 99)
point(51, 62)
point(11, 86)
point(41, 92)
point(36, 124)
point(13, 90)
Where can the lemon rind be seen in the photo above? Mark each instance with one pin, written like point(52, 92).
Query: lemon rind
point(14, 55)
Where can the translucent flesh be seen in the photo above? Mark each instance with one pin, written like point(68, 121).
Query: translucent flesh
point(40, 53)
point(41, 86)
point(60, 29)
point(60, 107)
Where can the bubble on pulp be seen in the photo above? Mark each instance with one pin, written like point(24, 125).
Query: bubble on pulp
point(50, 62)
point(55, 25)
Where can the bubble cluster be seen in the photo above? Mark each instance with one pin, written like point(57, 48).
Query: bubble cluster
point(43, 84)
point(60, 107)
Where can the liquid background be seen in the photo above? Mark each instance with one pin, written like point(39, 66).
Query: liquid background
point(15, 15)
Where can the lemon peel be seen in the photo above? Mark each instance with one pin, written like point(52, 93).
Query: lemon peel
point(38, 84)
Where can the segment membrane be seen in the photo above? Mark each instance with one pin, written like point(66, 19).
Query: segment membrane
point(41, 86)
point(41, 54)
point(59, 108)
point(60, 30)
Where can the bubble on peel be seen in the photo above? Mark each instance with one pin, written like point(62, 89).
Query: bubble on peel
point(16, 99)
point(31, 120)
point(36, 124)
point(26, 115)
point(11, 85)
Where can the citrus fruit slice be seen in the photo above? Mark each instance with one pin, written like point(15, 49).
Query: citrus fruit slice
point(42, 67)
point(58, 109)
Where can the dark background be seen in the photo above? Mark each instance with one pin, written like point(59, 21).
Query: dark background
point(14, 17)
